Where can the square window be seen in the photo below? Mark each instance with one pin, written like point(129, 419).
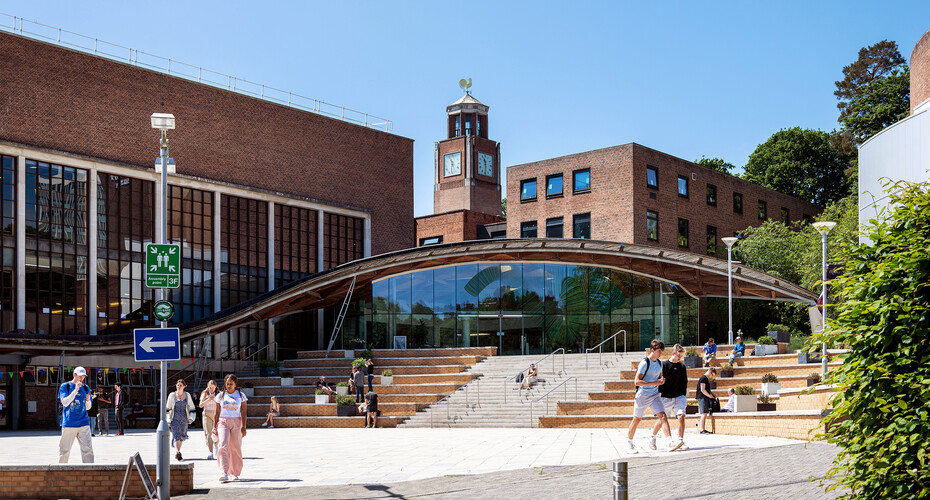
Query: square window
point(683, 233)
point(712, 195)
point(528, 190)
point(763, 210)
point(554, 185)
point(432, 240)
point(581, 180)
point(682, 186)
point(528, 229)
point(652, 177)
point(581, 226)
point(712, 241)
point(737, 203)
point(785, 217)
point(554, 227)
point(652, 225)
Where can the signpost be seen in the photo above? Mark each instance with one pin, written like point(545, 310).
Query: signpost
point(162, 265)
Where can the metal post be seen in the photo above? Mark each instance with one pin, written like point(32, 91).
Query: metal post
point(823, 328)
point(621, 491)
point(730, 294)
point(163, 465)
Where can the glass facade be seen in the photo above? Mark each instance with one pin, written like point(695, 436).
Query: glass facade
point(8, 242)
point(343, 239)
point(538, 307)
point(244, 249)
point(190, 216)
point(294, 243)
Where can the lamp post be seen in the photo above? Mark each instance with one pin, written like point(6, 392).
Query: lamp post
point(729, 242)
point(163, 122)
point(824, 228)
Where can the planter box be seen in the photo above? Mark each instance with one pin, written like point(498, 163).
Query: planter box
point(812, 381)
point(691, 410)
point(744, 404)
point(346, 411)
point(350, 354)
point(287, 381)
point(387, 380)
point(342, 390)
point(805, 358)
point(765, 406)
point(321, 399)
point(693, 362)
point(766, 350)
point(248, 391)
point(780, 336)
point(726, 373)
point(770, 389)
point(269, 371)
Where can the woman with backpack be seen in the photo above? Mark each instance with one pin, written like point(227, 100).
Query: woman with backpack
point(179, 406)
point(229, 426)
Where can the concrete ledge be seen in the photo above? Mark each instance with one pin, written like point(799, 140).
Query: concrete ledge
point(84, 481)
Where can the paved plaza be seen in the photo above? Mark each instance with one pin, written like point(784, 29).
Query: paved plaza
point(470, 463)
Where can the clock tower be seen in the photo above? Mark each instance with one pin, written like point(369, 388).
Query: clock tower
point(467, 163)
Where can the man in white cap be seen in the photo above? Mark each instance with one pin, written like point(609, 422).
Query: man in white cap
point(75, 401)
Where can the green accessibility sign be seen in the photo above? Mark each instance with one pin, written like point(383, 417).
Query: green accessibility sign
point(162, 266)
point(163, 310)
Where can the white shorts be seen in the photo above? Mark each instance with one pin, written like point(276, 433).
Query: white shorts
point(652, 401)
point(675, 406)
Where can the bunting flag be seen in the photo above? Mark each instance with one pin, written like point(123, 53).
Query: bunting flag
point(133, 369)
point(20, 374)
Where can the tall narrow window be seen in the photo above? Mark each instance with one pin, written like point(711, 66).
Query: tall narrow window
point(8, 243)
point(468, 124)
point(295, 235)
point(763, 210)
point(528, 229)
point(554, 227)
point(652, 177)
point(737, 203)
point(581, 180)
point(712, 195)
point(785, 216)
point(652, 225)
point(682, 186)
point(712, 241)
point(581, 226)
point(458, 125)
point(554, 185)
point(528, 190)
point(683, 233)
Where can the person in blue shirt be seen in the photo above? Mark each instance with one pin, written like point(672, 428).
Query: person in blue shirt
point(739, 349)
point(648, 379)
point(75, 401)
point(710, 351)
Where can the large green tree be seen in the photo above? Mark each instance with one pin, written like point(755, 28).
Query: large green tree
point(878, 105)
point(881, 411)
point(717, 164)
point(802, 163)
point(874, 63)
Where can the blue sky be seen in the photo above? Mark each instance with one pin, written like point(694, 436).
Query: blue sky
point(686, 78)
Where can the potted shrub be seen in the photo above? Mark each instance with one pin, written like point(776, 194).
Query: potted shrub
point(765, 403)
point(780, 333)
point(287, 378)
point(387, 377)
point(813, 379)
point(345, 406)
point(770, 385)
point(766, 346)
point(692, 408)
point(367, 354)
point(805, 358)
point(692, 358)
point(342, 388)
point(321, 397)
point(268, 367)
point(744, 399)
point(726, 370)
point(359, 362)
point(246, 388)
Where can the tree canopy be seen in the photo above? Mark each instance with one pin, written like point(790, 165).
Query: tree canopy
point(802, 163)
point(875, 62)
point(717, 164)
point(879, 104)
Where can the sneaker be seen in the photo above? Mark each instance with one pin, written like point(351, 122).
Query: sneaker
point(210, 456)
point(631, 447)
point(705, 432)
point(235, 478)
point(265, 424)
point(683, 446)
point(271, 427)
point(652, 442)
point(674, 444)
point(178, 456)
point(224, 478)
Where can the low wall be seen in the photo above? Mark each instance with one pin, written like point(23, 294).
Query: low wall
point(84, 481)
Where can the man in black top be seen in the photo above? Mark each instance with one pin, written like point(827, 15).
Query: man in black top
point(674, 397)
point(371, 410)
point(705, 398)
point(119, 403)
point(321, 384)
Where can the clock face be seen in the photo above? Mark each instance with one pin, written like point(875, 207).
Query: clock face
point(486, 164)
point(451, 164)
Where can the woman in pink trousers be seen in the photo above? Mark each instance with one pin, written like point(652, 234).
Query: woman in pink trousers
point(229, 426)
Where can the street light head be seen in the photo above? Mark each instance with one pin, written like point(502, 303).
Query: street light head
point(824, 227)
point(163, 121)
point(730, 241)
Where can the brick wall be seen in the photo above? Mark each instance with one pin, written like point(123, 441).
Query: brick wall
point(461, 225)
point(80, 481)
point(67, 101)
point(920, 71)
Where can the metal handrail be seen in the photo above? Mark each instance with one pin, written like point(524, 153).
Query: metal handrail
point(448, 404)
point(128, 55)
point(546, 395)
point(538, 363)
point(614, 336)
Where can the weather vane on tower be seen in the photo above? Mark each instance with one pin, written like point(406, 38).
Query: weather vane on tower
point(466, 85)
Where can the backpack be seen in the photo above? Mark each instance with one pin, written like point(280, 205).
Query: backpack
point(519, 377)
point(648, 366)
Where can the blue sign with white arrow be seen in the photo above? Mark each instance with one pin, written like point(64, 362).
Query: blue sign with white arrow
point(157, 344)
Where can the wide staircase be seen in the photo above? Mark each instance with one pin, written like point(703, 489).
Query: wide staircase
point(420, 377)
point(494, 398)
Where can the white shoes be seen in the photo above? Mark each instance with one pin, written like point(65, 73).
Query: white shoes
point(631, 447)
point(265, 424)
point(674, 444)
point(271, 427)
point(210, 456)
point(652, 442)
point(224, 478)
point(683, 446)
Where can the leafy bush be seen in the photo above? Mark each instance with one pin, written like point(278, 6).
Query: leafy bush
point(880, 419)
point(744, 390)
point(321, 392)
point(769, 378)
point(345, 400)
point(691, 352)
point(367, 354)
point(287, 375)
point(387, 373)
point(775, 327)
point(359, 362)
point(766, 340)
point(814, 376)
point(765, 399)
point(726, 366)
point(268, 363)
point(342, 384)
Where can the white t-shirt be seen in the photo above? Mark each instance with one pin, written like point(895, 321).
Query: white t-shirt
point(731, 404)
point(230, 403)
